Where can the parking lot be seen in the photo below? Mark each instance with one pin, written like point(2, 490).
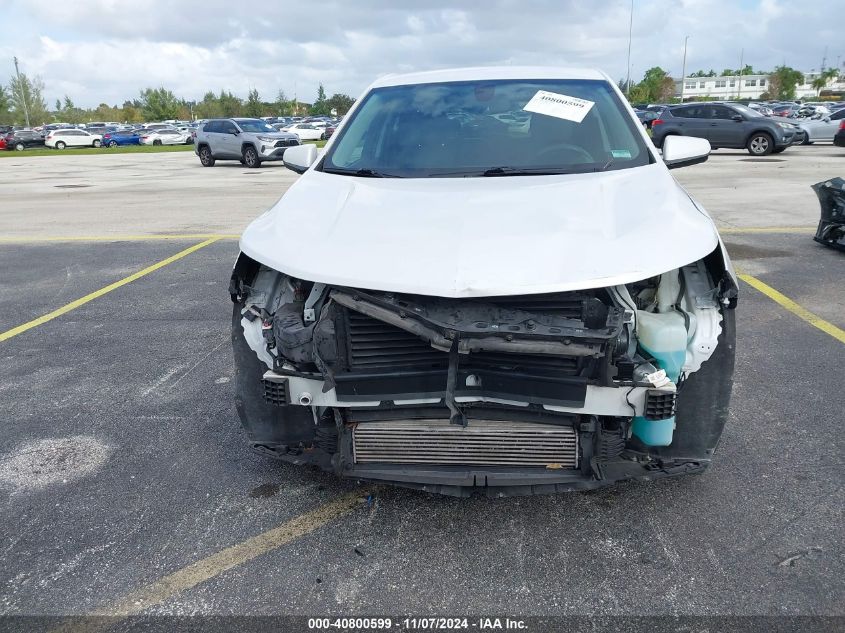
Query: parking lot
point(127, 485)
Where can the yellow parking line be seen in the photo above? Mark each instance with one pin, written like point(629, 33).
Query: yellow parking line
point(99, 293)
point(119, 238)
point(797, 310)
point(214, 565)
point(766, 229)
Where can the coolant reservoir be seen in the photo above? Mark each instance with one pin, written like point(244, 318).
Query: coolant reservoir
point(662, 335)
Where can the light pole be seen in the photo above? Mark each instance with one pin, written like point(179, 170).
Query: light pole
point(630, 32)
point(23, 93)
point(684, 69)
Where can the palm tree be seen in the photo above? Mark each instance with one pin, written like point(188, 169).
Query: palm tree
point(821, 81)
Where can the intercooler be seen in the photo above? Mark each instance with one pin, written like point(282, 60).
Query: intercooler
point(482, 442)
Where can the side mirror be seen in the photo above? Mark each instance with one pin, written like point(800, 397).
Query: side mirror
point(236, 131)
point(737, 117)
point(682, 151)
point(300, 157)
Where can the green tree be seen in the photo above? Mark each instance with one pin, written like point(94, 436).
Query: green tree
point(656, 86)
point(58, 105)
point(158, 104)
point(822, 80)
point(782, 82)
point(282, 106)
point(229, 104)
point(340, 103)
point(209, 107)
point(253, 106)
point(131, 113)
point(5, 107)
point(321, 105)
point(27, 96)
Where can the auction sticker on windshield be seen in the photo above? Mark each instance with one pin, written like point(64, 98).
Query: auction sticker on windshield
point(560, 106)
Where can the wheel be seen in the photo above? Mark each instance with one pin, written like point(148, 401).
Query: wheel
point(189, 140)
point(206, 158)
point(760, 144)
point(20, 147)
point(251, 159)
point(157, 142)
point(323, 136)
point(60, 145)
point(112, 143)
point(97, 143)
point(806, 140)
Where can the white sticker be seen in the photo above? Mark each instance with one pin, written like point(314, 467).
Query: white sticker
point(560, 106)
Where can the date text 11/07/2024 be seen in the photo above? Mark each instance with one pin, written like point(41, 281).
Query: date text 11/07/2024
point(416, 624)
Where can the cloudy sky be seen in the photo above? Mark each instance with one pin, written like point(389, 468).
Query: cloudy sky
point(107, 50)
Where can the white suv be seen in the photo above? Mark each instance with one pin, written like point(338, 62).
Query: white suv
point(251, 141)
point(59, 139)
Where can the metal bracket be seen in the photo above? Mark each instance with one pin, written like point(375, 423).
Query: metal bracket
point(457, 415)
point(309, 314)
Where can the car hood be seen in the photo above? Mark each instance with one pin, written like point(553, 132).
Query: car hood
point(278, 135)
point(473, 237)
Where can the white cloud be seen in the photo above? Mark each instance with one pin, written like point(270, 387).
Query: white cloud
point(107, 51)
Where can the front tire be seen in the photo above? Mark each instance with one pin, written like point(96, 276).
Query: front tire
point(206, 158)
point(97, 143)
point(60, 145)
point(323, 136)
point(251, 159)
point(113, 144)
point(20, 147)
point(760, 144)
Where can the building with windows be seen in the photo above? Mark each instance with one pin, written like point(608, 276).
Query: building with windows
point(725, 87)
point(745, 87)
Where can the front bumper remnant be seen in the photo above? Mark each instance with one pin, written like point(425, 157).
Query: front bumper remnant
point(831, 230)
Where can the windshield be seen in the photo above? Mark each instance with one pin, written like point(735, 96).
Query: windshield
point(488, 128)
point(255, 125)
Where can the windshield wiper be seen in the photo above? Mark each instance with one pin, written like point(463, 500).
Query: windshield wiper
point(362, 173)
point(544, 171)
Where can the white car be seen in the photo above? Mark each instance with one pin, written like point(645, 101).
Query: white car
point(306, 131)
point(822, 127)
point(60, 139)
point(440, 304)
point(164, 136)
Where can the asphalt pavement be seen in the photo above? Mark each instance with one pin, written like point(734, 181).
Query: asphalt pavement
point(122, 462)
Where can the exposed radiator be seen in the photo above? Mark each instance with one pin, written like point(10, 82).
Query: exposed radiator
point(482, 442)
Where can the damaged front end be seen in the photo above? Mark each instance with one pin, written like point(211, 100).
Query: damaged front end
point(831, 230)
point(514, 394)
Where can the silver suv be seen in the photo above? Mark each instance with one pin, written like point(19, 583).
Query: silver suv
point(251, 141)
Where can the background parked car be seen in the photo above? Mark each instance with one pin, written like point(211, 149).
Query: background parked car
point(21, 139)
point(821, 129)
point(839, 139)
point(646, 117)
point(127, 137)
point(251, 141)
point(2, 142)
point(165, 136)
point(306, 131)
point(728, 125)
point(59, 139)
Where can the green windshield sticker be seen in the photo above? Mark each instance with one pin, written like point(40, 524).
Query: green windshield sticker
point(620, 153)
